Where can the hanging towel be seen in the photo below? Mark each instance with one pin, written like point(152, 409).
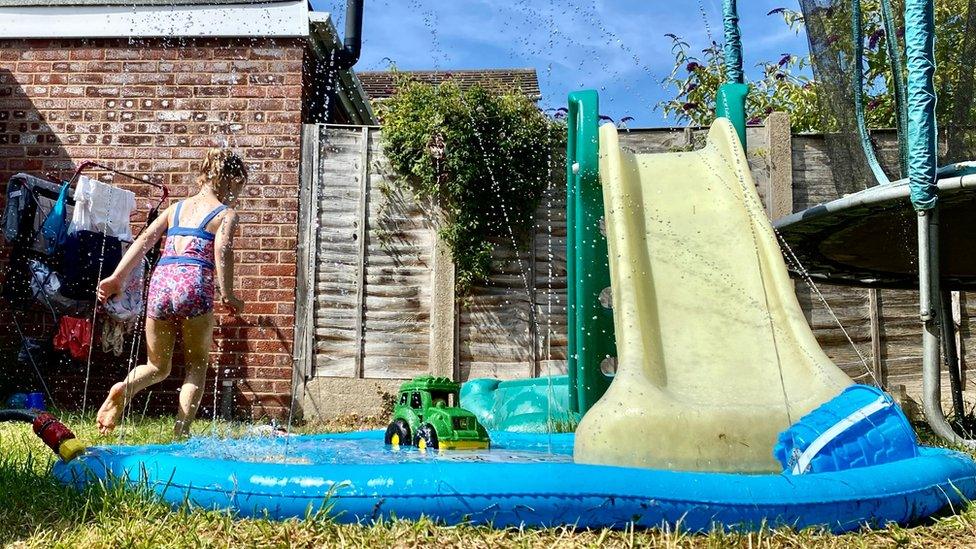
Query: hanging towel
point(102, 208)
point(74, 336)
point(55, 224)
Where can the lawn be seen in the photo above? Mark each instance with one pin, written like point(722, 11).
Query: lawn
point(35, 511)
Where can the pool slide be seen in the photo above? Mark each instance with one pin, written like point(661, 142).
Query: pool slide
point(714, 355)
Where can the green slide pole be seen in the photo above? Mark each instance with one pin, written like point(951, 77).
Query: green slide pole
point(590, 325)
point(730, 102)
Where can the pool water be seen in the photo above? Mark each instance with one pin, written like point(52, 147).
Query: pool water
point(368, 448)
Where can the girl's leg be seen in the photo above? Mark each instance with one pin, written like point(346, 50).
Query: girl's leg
point(160, 339)
point(197, 341)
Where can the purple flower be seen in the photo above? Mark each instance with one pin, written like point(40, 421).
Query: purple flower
point(691, 87)
point(776, 10)
point(689, 106)
point(833, 38)
point(693, 66)
point(900, 33)
point(769, 110)
point(875, 37)
point(754, 121)
point(780, 76)
point(783, 61)
point(873, 104)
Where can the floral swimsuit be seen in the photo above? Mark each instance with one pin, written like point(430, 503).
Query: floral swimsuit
point(182, 285)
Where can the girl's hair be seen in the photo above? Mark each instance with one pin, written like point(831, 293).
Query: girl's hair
point(222, 169)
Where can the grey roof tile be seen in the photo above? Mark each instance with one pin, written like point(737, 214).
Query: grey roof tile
point(382, 84)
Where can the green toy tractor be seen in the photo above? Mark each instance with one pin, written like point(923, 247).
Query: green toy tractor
point(427, 415)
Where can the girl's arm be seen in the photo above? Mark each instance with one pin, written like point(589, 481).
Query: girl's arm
point(224, 250)
point(136, 252)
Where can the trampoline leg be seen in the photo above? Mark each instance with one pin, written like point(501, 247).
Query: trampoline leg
point(951, 354)
point(929, 295)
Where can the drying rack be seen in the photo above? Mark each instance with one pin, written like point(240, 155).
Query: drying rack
point(90, 164)
point(153, 214)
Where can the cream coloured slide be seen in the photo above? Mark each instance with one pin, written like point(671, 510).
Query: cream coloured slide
point(715, 357)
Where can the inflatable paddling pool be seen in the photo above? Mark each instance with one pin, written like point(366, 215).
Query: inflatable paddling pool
point(525, 479)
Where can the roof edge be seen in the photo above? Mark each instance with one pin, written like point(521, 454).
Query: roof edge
point(278, 19)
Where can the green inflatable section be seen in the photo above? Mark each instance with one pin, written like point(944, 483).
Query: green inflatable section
point(536, 405)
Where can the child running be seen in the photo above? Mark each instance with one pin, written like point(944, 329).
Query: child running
point(199, 240)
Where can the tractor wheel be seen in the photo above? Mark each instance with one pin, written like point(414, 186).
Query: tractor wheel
point(426, 437)
point(400, 431)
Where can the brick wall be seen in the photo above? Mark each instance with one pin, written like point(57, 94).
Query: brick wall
point(153, 108)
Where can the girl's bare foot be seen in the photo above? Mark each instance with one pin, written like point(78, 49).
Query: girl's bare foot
point(108, 414)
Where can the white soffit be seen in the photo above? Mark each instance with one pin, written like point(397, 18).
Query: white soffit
point(277, 19)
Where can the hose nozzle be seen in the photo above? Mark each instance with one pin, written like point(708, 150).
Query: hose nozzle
point(57, 437)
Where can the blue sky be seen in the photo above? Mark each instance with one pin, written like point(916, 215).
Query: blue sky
point(615, 46)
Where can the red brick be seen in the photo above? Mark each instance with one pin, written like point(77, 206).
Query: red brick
point(140, 66)
point(85, 78)
point(104, 66)
point(278, 270)
point(122, 53)
point(248, 91)
point(87, 54)
point(39, 54)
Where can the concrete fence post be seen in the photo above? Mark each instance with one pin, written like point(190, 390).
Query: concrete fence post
point(779, 195)
point(442, 312)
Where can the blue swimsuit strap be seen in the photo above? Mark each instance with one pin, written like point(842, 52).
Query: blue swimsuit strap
point(199, 231)
point(210, 216)
point(176, 214)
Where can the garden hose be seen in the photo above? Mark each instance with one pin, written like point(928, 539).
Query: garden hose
point(55, 435)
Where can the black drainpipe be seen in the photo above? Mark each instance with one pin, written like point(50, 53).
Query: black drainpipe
point(352, 43)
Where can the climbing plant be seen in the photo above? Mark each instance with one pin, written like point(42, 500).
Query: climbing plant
point(485, 158)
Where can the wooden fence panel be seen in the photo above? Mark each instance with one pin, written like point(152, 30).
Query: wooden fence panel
point(396, 322)
point(337, 261)
point(372, 302)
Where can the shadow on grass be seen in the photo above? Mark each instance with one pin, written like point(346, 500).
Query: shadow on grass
point(32, 500)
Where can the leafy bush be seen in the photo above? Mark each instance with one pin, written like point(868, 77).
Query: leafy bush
point(786, 84)
point(485, 158)
point(784, 87)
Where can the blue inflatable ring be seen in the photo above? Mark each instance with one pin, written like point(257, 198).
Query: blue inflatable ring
point(526, 479)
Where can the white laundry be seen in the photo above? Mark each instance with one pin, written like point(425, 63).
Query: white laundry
point(102, 208)
point(126, 306)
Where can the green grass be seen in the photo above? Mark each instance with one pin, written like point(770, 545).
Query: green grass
point(35, 511)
